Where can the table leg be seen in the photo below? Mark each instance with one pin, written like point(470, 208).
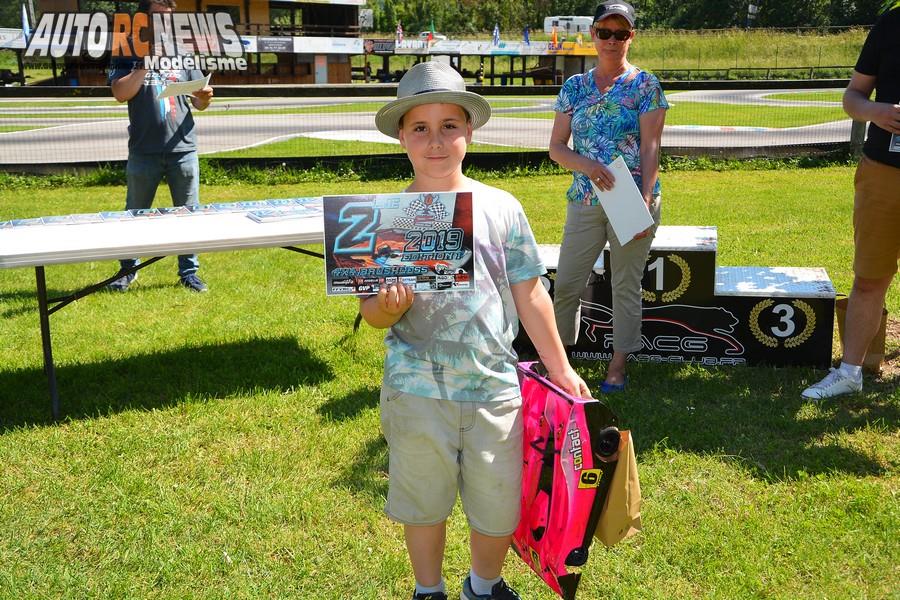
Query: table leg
point(304, 251)
point(49, 369)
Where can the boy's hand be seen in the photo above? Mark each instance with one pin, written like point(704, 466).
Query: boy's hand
point(395, 299)
point(569, 381)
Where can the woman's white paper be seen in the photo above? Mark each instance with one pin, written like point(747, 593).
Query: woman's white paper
point(624, 205)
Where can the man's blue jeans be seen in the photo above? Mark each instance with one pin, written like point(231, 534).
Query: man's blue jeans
point(182, 172)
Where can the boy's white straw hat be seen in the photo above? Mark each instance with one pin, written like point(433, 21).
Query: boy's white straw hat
point(431, 82)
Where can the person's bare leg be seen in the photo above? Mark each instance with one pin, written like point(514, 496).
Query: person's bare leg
point(863, 316)
point(615, 373)
point(425, 545)
point(488, 553)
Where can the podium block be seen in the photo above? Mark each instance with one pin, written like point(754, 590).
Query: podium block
point(696, 312)
point(681, 266)
point(786, 314)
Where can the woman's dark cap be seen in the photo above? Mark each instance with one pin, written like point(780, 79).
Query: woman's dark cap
point(615, 7)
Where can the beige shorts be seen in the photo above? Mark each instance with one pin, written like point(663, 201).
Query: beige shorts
point(876, 219)
point(440, 447)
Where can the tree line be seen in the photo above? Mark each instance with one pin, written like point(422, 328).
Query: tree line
point(477, 16)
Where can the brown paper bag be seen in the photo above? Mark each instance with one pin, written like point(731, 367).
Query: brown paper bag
point(621, 516)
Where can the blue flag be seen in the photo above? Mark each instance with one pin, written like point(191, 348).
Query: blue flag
point(26, 30)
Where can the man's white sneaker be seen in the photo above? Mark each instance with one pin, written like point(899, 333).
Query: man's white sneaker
point(834, 384)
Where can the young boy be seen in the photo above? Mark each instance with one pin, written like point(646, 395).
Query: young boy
point(450, 399)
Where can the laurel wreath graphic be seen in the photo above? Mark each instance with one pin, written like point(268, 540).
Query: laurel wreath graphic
point(792, 342)
point(685, 279)
point(810, 315)
point(676, 293)
point(762, 338)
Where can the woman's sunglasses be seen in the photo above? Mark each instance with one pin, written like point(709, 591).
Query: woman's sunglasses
point(604, 34)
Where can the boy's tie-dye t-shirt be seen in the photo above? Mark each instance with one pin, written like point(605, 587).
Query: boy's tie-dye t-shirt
point(458, 345)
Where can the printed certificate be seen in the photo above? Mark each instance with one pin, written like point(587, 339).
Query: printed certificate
point(423, 240)
point(624, 205)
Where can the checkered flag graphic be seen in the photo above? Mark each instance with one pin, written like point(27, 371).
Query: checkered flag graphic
point(419, 208)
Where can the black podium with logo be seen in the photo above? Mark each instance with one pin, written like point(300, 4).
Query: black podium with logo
point(697, 312)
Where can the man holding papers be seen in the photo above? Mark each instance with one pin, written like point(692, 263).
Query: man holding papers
point(161, 141)
point(614, 114)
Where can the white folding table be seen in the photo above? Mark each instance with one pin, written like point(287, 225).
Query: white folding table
point(39, 245)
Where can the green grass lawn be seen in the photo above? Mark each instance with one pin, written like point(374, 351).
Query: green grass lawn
point(8, 128)
point(739, 48)
point(348, 107)
point(529, 101)
point(123, 114)
point(735, 115)
point(53, 103)
point(227, 445)
point(304, 146)
point(218, 109)
point(828, 96)
point(702, 113)
point(351, 107)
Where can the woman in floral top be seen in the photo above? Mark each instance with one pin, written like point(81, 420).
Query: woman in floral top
point(613, 110)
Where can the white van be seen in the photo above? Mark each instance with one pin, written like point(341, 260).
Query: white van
point(568, 25)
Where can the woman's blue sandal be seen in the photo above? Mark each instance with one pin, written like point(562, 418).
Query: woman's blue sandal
point(613, 388)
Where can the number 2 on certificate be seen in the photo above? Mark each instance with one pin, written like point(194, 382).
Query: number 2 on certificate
point(359, 236)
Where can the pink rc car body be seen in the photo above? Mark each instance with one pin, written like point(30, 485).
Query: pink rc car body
point(570, 455)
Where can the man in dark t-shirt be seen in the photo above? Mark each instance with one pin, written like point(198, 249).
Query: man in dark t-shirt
point(876, 208)
point(161, 142)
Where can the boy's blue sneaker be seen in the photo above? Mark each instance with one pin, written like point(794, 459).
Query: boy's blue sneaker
point(194, 283)
point(430, 596)
point(121, 284)
point(500, 591)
